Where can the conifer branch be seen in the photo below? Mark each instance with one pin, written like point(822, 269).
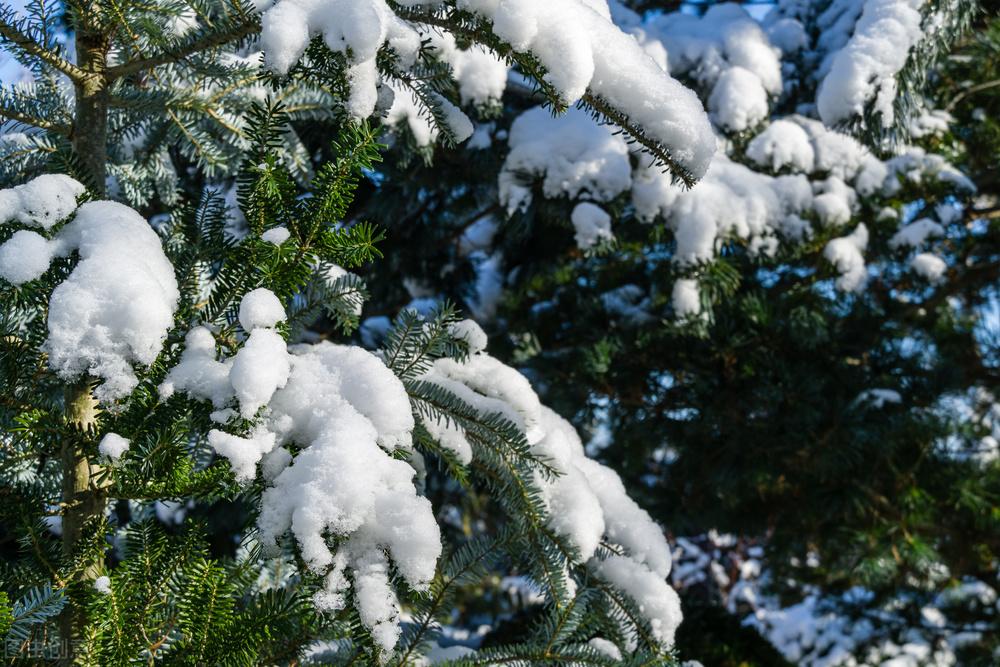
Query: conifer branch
point(11, 33)
point(233, 32)
point(658, 151)
point(458, 26)
point(27, 119)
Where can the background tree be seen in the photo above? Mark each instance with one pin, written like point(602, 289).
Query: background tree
point(754, 388)
point(136, 361)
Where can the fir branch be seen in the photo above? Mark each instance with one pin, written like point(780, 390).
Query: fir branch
point(30, 104)
point(459, 25)
point(539, 655)
point(12, 30)
point(25, 119)
point(657, 150)
point(463, 565)
point(232, 31)
point(38, 606)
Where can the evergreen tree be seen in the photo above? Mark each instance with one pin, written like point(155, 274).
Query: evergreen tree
point(144, 365)
point(802, 347)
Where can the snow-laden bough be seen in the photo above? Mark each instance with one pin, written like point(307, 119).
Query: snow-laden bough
point(353, 508)
point(582, 51)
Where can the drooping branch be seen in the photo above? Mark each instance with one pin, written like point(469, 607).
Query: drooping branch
point(458, 26)
point(658, 151)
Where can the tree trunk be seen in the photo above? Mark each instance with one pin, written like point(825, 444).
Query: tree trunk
point(82, 497)
point(82, 500)
point(90, 122)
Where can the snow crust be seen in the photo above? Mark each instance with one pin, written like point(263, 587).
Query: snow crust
point(581, 48)
point(198, 373)
point(731, 201)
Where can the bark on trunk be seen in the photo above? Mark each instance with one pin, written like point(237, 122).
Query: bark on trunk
point(82, 497)
point(90, 122)
point(82, 500)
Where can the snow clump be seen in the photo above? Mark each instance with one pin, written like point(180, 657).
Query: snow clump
point(580, 49)
point(101, 321)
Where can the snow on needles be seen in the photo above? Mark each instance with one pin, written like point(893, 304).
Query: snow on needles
point(579, 47)
point(864, 71)
point(100, 321)
point(846, 254)
point(729, 56)
point(358, 27)
point(803, 177)
point(587, 502)
point(346, 413)
point(113, 446)
point(592, 225)
point(41, 202)
point(572, 154)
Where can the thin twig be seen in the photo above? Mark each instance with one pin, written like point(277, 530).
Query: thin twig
point(969, 91)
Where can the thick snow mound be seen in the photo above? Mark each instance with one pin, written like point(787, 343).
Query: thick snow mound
point(117, 305)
